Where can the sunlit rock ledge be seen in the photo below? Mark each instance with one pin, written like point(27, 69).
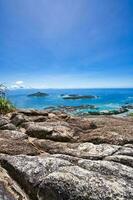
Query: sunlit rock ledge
point(51, 155)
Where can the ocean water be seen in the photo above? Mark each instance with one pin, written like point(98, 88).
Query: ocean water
point(109, 99)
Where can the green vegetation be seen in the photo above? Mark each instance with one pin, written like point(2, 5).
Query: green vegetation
point(5, 105)
point(131, 114)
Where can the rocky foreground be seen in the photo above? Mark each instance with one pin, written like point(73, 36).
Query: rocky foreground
point(53, 156)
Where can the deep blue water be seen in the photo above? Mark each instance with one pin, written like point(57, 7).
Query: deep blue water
point(109, 99)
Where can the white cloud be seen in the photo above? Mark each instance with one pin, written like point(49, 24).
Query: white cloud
point(19, 83)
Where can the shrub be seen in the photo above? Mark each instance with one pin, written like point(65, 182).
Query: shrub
point(6, 106)
point(131, 114)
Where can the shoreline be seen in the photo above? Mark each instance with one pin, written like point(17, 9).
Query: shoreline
point(92, 110)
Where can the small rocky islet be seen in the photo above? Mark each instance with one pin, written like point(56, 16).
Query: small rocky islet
point(38, 94)
point(76, 96)
point(47, 155)
point(85, 109)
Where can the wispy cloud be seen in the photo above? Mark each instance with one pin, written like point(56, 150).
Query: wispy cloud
point(17, 85)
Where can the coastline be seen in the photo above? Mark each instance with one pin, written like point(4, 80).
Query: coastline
point(109, 101)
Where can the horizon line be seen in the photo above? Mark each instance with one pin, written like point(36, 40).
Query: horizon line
point(72, 88)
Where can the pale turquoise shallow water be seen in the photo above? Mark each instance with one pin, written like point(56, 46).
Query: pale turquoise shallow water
point(109, 99)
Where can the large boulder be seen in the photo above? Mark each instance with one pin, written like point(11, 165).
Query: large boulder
point(60, 177)
point(29, 171)
point(57, 131)
point(8, 126)
point(18, 119)
point(5, 124)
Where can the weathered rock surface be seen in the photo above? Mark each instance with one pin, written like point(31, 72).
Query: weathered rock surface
point(9, 189)
point(11, 134)
point(3, 121)
point(50, 177)
point(80, 150)
point(8, 126)
point(54, 156)
point(16, 147)
point(108, 130)
point(123, 159)
point(50, 130)
point(16, 142)
point(18, 119)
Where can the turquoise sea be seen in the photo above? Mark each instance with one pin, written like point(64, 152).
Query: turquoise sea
point(109, 99)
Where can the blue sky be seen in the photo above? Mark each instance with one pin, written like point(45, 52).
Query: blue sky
point(66, 43)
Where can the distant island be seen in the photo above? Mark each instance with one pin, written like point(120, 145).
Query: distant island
point(75, 96)
point(38, 94)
